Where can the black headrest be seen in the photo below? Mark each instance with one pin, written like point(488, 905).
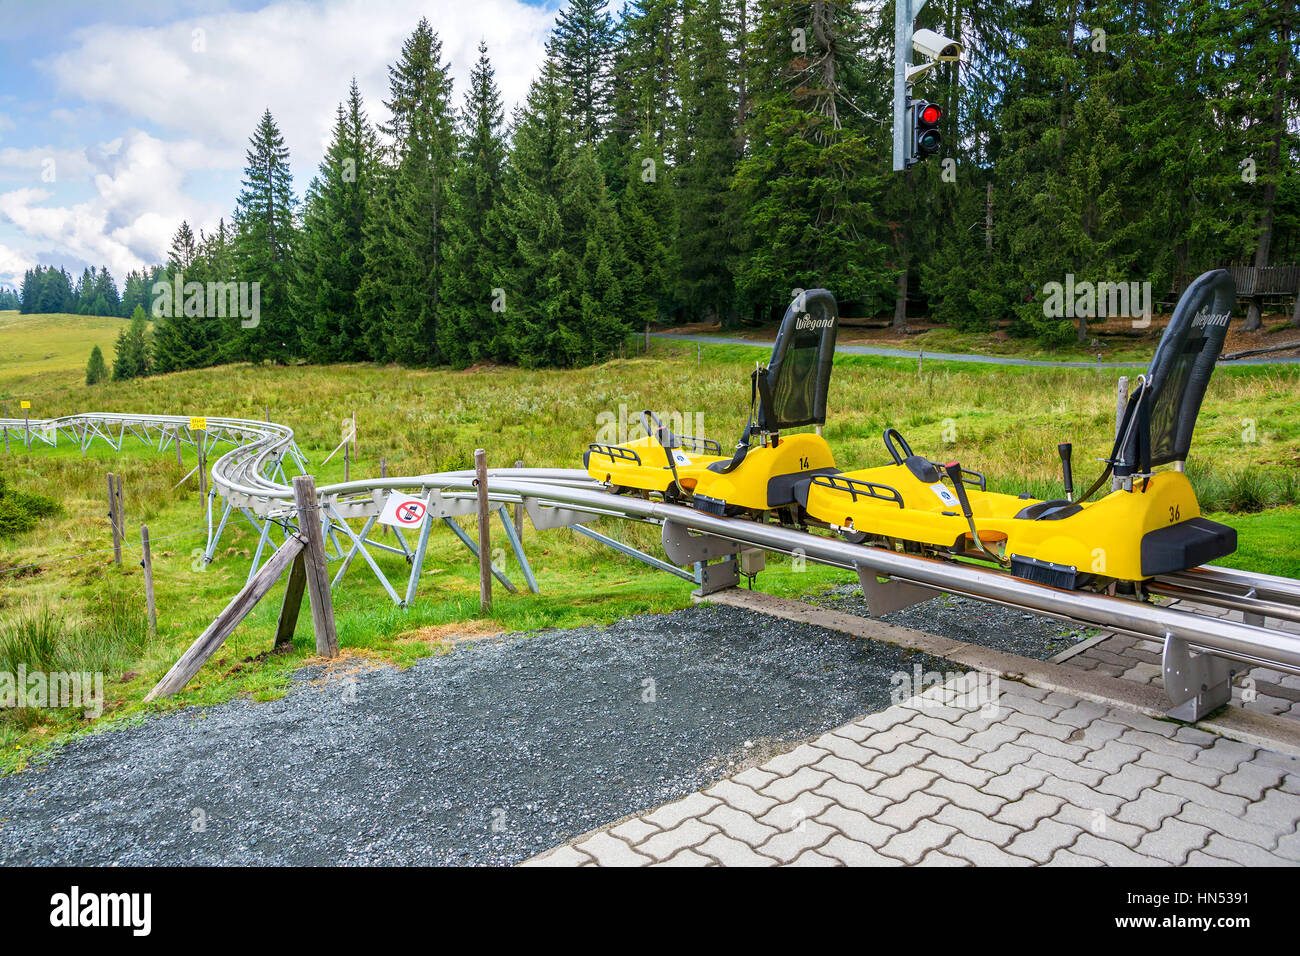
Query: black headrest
point(792, 391)
point(1159, 421)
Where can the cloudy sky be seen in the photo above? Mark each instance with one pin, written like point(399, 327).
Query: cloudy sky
point(118, 120)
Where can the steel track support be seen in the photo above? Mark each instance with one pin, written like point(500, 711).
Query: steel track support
point(632, 552)
point(366, 554)
point(261, 546)
point(473, 547)
point(417, 560)
point(347, 560)
point(211, 549)
point(508, 523)
point(1196, 683)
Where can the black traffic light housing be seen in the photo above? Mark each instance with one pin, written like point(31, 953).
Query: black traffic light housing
point(925, 138)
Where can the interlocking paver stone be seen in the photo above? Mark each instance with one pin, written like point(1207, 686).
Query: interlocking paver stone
point(786, 816)
point(731, 852)
point(902, 785)
point(1013, 784)
point(788, 845)
point(787, 763)
point(1042, 842)
point(856, 854)
point(671, 814)
point(1150, 809)
point(1051, 779)
point(913, 843)
point(852, 797)
point(976, 825)
point(966, 797)
point(663, 845)
point(858, 827)
point(739, 825)
point(1173, 841)
point(905, 815)
point(741, 797)
point(611, 851)
point(850, 772)
point(787, 788)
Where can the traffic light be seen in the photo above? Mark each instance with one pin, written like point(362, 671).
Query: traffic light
point(926, 140)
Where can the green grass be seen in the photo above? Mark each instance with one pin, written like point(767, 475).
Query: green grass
point(1003, 421)
point(1266, 542)
point(43, 353)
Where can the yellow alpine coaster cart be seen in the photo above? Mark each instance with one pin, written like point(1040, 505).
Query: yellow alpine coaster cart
point(1147, 524)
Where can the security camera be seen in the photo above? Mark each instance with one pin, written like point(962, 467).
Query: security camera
point(936, 46)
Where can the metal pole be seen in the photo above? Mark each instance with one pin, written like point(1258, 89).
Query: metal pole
point(905, 13)
point(417, 560)
point(1121, 400)
point(519, 514)
point(484, 533)
point(146, 562)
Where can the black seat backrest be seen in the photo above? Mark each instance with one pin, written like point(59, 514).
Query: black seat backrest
point(792, 390)
point(1157, 425)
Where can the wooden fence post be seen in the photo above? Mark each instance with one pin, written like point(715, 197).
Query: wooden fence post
point(112, 519)
point(6, 428)
point(484, 533)
point(318, 581)
point(146, 562)
point(292, 602)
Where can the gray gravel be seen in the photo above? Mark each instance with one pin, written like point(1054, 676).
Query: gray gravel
point(964, 619)
point(488, 755)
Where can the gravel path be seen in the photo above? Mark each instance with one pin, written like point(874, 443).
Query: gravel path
point(964, 619)
point(488, 755)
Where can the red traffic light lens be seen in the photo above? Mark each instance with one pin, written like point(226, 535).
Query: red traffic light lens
point(930, 115)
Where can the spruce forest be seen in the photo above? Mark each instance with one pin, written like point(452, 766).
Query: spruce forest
point(698, 160)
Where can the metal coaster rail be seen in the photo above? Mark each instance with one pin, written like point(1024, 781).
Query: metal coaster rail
point(250, 479)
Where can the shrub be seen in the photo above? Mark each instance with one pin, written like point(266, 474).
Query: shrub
point(19, 511)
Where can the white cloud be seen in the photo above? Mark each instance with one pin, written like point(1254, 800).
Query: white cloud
point(138, 202)
point(12, 266)
point(210, 77)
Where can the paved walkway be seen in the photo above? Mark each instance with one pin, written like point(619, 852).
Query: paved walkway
point(976, 358)
point(1042, 778)
point(1260, 689)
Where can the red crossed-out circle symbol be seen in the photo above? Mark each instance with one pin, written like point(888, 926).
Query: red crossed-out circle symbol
point(410, 512)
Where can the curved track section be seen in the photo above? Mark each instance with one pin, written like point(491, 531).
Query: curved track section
point(249, 476)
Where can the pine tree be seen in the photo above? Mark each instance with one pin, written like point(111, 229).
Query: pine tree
point(806, 188)
point(131, 354)
point(472, 329)
point(564, 295)
point(401, 294)
point(705, 156)
point(264, 246)
point(581, 46)
point(96, 371)
point(332, 256)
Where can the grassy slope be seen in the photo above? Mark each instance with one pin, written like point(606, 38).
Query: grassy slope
point(1003, 421)
point(42, 353)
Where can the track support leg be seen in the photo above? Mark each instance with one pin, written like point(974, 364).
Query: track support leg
point(1197, 683)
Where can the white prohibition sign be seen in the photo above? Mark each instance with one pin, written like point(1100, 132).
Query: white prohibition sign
point(403, 511)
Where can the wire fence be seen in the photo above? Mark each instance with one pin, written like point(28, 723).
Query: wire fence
point(86, 554)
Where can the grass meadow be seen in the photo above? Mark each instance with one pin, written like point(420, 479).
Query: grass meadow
point(65, 606)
